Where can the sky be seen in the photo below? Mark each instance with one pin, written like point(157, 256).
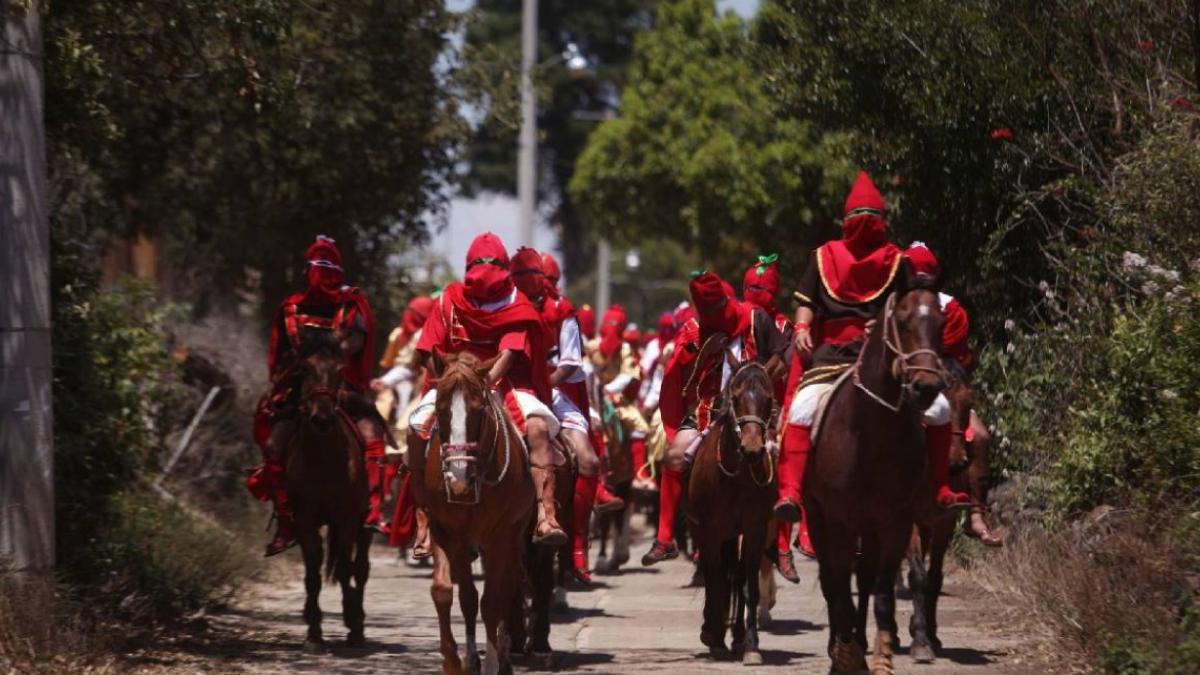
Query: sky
point(498, 213)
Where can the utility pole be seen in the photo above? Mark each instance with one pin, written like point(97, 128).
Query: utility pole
point(603, 276)
point(527, 146)
point(26, 415)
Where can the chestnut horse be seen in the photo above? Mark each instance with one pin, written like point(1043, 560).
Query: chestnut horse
point(480, 497)
point(933, 532)
point(327, 484)
point(730, 496)
point(867, 465)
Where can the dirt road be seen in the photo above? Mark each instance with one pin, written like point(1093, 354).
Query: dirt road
point(643, 621)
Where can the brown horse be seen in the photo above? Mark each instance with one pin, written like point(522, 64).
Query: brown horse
point(620, 470)
point(730, 496)
point(480, 497)
point(933, 532)
point(867, 466)
point(327, 484)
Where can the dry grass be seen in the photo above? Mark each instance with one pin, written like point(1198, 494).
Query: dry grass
point(43, 631)
point(1108, 593)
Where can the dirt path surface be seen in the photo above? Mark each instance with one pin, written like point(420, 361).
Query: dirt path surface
point(643, 621)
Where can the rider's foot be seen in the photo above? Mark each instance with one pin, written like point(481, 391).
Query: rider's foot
point(804, 543)
point(283, 540)
point(787, 510)
point(644, 484)
point(978, 529)
point(951, 501)
point(787, 566)
point(549, 533)
point(377, 523)
point(606, 501)
point(422, 544)
point(660, 552)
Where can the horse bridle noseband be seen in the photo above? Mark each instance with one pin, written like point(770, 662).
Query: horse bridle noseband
point(502, 427)
point(901, 369)
point(727, 411)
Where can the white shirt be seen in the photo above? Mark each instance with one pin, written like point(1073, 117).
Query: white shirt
point(736, 348)
point(570, 350)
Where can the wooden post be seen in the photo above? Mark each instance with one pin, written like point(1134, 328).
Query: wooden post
point(26, 419)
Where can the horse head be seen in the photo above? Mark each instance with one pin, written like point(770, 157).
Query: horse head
point(320, 382)
point(749, 403)
point(912, 331)
point(468, 421)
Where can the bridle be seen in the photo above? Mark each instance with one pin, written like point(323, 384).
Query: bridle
point(462, 451)
point(901, 368)
point(736, 422)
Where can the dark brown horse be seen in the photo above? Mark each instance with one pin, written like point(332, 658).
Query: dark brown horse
point(933, 532)
point(730, 497)
point(619, 470)
point(480, 498)
point(867, 466)
point(327, 484)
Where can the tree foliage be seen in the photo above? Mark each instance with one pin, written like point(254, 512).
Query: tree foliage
point(237, 130)
point(698, 154)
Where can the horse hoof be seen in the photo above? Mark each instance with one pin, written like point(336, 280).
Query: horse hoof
point(541, 661)
point(752, 658)
point(356, 639)
point(312, 646)
point(560, 599)
point(922, 653)
point(764, 618)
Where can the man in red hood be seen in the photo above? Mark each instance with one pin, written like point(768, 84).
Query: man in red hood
point(587, 322)
point(327, 310)
point(693, 381)
point(938, 433)
point(845, 286)
point(570, 397)
point(486, 315)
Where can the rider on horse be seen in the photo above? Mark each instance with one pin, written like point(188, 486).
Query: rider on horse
point(569, 396)
point(692, 385)
point(653, 364)
point(486, 315)
point(615, 366)
point(327, 309)
point(847, 282)
point(955, 350)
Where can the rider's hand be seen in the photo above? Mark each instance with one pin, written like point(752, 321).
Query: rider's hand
point(804, 341)
point(377, 385)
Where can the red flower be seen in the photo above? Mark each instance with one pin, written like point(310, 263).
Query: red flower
point(1002, 134)
point(1145, 45)
point(1182, 103)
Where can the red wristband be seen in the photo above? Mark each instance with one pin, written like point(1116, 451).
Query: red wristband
point(803, 326)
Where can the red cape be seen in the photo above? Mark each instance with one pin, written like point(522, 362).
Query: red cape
point(489, 327)
point(358, 366)
point(853, 280)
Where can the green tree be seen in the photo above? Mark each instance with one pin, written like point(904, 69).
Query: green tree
point(698, 155)
point(237, 130)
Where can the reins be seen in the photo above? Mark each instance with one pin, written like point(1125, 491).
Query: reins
point(500, 423)
point(727, 413)
point(901, 368)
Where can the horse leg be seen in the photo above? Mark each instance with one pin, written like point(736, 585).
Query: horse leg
point(940, 542)
point(442, 592)
point(502, 575)
point(893, 542)
point(468, 601)
point(918, 584)
point(716, 597)
point(310, 548)
point(736, 574)
point(836, 547)
point(353, 612)
point(540, 566)
point(751, 565)
point(866, 570)
point(767, 588)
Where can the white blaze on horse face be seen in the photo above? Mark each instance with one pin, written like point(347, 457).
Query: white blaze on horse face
point(458, 419)
point(923, 311)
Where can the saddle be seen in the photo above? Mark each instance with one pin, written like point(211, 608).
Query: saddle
point(839, 374)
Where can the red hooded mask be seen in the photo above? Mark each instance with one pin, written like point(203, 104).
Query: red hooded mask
point(487, 278)
point(859, 266)
point(528, 273)
point(666, 327)
point(553, 274)
point(587, 321)
point(760, 285)
point(325, 274)
point(416, 313)
point(716, 308)
point(923, 261)
point(611, 327)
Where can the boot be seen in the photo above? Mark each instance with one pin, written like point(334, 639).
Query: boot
point(664, 547)
point(804, 543)
point(285, 526)
point(585, 496)
point(606, 501)
point(793, 460)
point(787, 565)
point(547, 532)
point(937, 443)
point(376, 479)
